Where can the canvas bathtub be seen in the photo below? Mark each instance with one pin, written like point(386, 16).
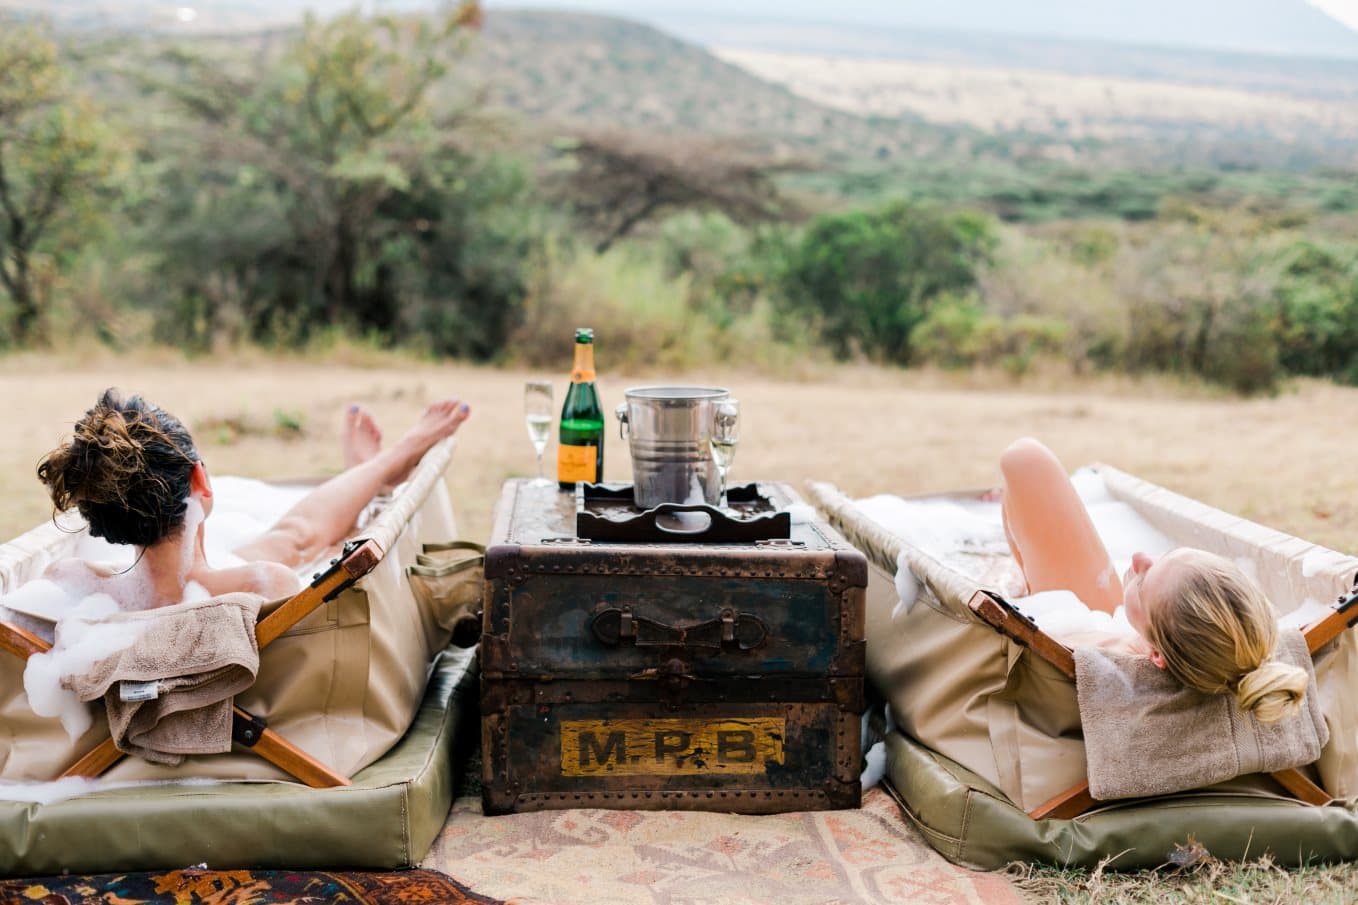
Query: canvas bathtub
point(988, 730)
point(343, 684)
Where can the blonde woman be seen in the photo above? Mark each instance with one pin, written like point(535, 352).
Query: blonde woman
point(1196, 614)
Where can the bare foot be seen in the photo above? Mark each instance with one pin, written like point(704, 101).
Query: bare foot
point(441, 419)
point(360, 438)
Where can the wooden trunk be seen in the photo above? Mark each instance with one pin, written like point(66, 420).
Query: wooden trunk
point(720, 676)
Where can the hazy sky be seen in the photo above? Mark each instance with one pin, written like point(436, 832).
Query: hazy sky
point(1305, 27)
point(1345, 11)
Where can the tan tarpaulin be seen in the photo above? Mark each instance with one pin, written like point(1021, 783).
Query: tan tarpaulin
point(343, 684)
point(1009, 719)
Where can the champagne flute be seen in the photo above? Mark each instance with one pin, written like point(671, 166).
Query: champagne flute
point(539, 413)
point(725, 436)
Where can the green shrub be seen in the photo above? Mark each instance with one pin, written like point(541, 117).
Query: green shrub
point(869, 277)
point(1198, 304)
point(960, 333)
point(1317, 301)
point(466, 274)
point(702, 245)
point(643, 318)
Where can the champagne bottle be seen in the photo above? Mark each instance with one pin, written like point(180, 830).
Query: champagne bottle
point(580, 454)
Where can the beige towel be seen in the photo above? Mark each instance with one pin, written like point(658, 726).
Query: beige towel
point(193, 657)
point(1146, 734)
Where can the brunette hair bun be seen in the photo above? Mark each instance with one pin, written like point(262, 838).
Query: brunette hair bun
point(126, 470)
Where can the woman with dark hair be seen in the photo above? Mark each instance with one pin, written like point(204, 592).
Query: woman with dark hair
point(134, 474)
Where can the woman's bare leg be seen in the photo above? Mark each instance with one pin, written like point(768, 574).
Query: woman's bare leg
point(1050, 531)
point(325, 516)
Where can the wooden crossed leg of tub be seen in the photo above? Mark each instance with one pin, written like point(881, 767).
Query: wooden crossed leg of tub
point(1004, 618)
point(358, 559)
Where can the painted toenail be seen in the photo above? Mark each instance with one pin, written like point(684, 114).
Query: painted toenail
point(464, 408)
point(353, 407)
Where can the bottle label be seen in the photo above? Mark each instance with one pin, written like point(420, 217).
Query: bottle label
point(575, 463)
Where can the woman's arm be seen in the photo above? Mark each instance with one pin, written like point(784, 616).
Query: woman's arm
point(269, 579)
point(1049, 530)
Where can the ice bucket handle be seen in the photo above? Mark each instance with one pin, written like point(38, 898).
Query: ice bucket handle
point(621, 412)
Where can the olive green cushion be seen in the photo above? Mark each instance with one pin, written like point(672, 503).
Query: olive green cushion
point(388, 818)
point(972, 823)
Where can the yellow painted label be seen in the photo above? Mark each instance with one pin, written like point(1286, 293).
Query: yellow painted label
point(575, 463)
point(675, 747)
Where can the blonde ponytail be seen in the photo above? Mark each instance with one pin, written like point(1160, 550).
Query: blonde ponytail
point(1216, 632)
point(1272, 691)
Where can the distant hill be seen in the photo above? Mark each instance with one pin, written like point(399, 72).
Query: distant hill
point(1283, 27)
point(1307, 77)
point(574, 69)
point(941, 97)
point(1161, 107)
point(1123, 111)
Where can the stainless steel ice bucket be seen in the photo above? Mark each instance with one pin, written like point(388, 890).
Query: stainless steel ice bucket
point(669, 432)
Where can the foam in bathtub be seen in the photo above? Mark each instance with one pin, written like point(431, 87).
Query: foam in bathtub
point(907, 587)
point(77, 646)
point(801, 513)
point(1061, 614)
point(1318, 560)
point(80, 643)
point(957, 529)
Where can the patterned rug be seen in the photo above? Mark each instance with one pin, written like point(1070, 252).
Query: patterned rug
point(243, 887)
point(598, 857)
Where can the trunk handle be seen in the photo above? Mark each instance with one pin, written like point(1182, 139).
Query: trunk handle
point(615, 626)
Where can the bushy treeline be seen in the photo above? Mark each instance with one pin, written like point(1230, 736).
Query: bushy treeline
point(1224, 295)
point(345, 178)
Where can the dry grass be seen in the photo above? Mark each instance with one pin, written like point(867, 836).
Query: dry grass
point(1198, 879)
point(1285, 461)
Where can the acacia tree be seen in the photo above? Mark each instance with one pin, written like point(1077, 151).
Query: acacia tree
point(52, 161)
point(298, 174)
point(617, 180)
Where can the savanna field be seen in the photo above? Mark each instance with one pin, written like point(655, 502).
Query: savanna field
point(1284, 460)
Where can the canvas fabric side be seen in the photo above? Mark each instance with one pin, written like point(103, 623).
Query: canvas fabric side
point(971, 822)
point(386, 820)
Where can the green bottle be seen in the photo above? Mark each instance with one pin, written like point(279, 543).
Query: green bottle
point(580, 454)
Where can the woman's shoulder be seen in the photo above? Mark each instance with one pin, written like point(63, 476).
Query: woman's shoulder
point(1114, 641)
point(76, 572)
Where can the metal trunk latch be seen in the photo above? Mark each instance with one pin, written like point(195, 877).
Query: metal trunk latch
point(674, 678)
